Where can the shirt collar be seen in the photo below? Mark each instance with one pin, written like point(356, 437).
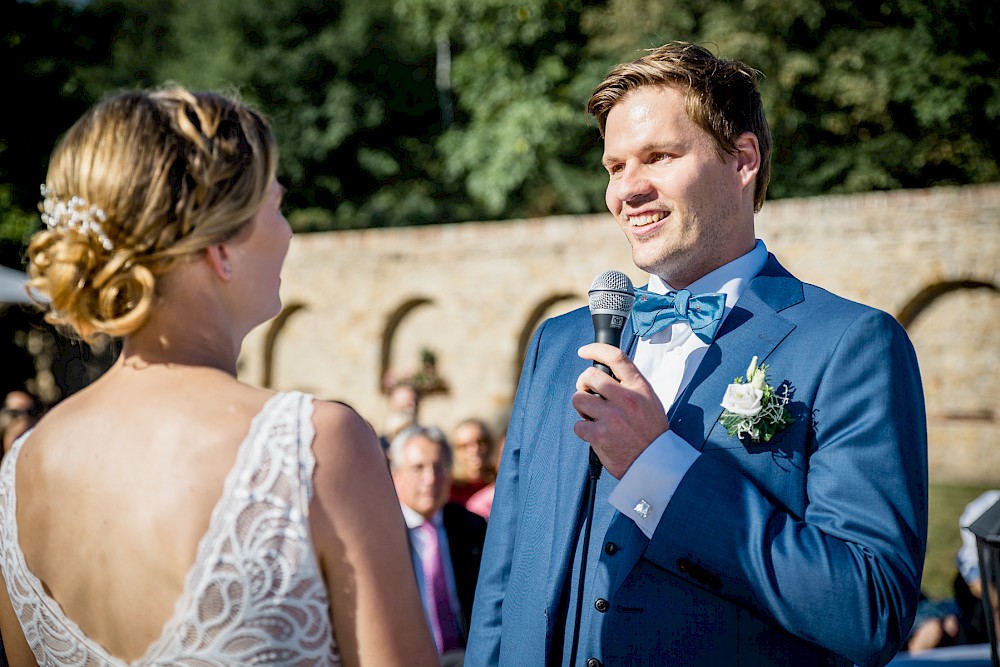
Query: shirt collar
point(414, 518)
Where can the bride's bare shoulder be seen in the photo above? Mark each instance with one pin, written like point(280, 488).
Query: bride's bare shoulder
point(340, 420)
point(348, 455)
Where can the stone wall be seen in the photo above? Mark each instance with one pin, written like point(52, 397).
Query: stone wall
point(360, 303)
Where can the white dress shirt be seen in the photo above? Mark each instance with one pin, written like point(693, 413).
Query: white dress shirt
point(668, 361)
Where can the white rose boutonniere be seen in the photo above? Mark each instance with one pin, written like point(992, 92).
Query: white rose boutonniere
point(753, 407)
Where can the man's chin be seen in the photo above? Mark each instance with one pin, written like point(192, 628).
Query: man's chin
point(657, 266)
point(428, 508)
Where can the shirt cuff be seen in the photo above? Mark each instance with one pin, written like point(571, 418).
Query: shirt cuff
point(648, 485)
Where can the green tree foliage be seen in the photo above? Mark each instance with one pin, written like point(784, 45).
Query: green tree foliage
point(860, 95)
point(138, 38)
point(518, 142)
point(44, 44)
point(16, 226)
point(393, 112)
point(353, 102)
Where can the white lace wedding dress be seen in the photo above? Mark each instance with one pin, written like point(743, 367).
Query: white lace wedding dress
point(254, 596)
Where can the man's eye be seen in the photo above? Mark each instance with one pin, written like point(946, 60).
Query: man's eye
point(659, 157)
point(615, 169)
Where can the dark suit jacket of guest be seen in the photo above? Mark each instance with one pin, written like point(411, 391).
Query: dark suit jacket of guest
point(466, 534)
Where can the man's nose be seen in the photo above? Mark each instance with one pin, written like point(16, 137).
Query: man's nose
point(432, 474)
point(633, 184)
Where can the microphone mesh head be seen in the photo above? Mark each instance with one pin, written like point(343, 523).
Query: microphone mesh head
point(612, 292)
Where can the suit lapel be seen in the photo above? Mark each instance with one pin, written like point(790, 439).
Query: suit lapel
point(754, 327)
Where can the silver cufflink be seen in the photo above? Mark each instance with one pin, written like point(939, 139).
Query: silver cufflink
point(642, 508)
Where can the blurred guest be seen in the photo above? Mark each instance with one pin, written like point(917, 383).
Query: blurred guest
point(481, 502)
point(446, 539)
point(404, 407)
point(474, 466)
point(176, 515)
point(396, 422)
point(968, 584)
point(404, 397)
point(961, 619)
point(21, 410)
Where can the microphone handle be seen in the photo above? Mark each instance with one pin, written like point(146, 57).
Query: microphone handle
point(607, 329)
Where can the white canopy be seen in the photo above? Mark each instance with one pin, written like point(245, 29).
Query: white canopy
point(12, 286)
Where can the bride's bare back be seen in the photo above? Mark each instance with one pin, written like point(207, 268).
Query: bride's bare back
point(127, 474)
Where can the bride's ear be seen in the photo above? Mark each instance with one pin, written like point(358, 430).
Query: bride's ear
point(218, 259)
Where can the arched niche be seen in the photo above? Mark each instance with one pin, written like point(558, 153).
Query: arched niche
point(271, 340)
point(392, 325)
point(925, 297)
point(953, 328)
point(537, 315)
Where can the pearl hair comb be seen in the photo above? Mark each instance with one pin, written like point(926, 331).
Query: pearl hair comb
point(75, 214)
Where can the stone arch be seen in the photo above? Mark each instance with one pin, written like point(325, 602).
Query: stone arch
point(925, 297)
point(531, 323)
point(271, 340)
point(952, 326)
point(392, 324)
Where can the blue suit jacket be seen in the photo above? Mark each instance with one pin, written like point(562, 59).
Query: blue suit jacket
point(807, 550)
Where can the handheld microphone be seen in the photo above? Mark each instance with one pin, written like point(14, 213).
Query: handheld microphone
point(611, 298)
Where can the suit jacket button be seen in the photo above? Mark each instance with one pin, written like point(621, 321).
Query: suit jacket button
point(611, 548)
point(601, 605)
point(594, 662)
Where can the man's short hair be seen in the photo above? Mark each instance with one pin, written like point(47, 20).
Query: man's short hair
point(398, 445)
point(481, 423)
point(721, 97)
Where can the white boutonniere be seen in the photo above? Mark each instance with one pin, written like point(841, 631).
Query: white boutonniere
point(753, 407)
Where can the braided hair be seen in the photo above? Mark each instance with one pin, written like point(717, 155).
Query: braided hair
point(141, 181)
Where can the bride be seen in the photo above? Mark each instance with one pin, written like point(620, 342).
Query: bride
point(168, 513)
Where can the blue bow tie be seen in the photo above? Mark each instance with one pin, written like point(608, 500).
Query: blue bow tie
point(652, 313)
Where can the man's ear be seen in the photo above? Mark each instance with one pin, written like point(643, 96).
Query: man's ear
point(218, 259)
point(747, 157)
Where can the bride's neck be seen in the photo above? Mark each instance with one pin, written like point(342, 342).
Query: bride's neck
point(191, 338)
point(190, 324)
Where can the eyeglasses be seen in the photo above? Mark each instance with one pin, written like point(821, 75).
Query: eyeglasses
point(472, 443)
point(15, 412)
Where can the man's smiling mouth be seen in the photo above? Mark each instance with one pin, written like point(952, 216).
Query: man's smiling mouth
point(644, 219)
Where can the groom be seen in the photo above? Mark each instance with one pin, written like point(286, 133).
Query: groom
point(707, 548)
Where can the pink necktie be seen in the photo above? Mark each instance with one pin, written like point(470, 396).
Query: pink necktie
point(443, 621)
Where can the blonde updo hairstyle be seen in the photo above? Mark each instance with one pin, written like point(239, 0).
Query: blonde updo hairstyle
point(174, 172)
